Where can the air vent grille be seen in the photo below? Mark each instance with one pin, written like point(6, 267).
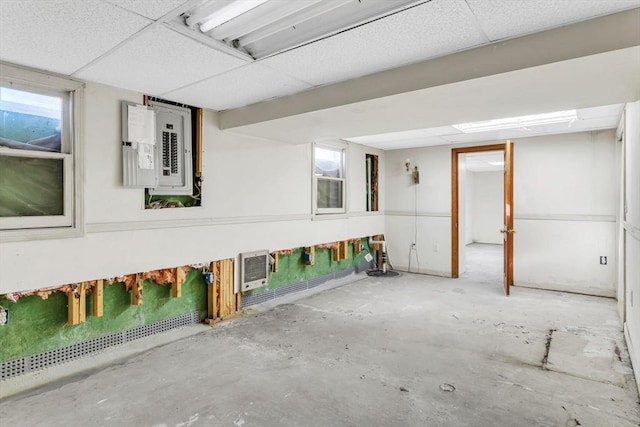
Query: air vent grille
point(62, 355)
point(255, 270)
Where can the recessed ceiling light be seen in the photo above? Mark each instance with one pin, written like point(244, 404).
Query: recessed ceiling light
point(518, 122)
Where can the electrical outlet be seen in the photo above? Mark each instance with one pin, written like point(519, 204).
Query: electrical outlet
point(603, 260)
point(4, 316)
point(436, 247)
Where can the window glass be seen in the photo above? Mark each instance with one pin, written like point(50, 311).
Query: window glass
point(30, 121)
point(328, 162)
point(329, 194)
point(31, 186)
point(329, 178)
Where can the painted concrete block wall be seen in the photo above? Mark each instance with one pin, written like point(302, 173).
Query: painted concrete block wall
point(565, 212)
point(256, 195)
point(423, 210)
point(565, 206)
point(632, 232)
point(486, 215)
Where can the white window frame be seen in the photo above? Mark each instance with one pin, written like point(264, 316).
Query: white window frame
point(334, 146)
point(71, 223)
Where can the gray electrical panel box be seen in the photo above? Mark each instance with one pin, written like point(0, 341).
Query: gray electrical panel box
point(173, 136)
point(156, 148)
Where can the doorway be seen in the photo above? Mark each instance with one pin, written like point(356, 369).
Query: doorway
point(480, 195)
point(458, 237)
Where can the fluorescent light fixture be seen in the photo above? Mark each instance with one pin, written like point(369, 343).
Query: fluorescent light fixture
point(496, 163)
point(228, 12)
point(518, 122)
point(261, 28)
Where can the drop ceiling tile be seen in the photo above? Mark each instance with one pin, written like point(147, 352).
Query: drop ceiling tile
point(426, 31)
point(243, 86)
point(157, 61)
point(442, 130)
point(62, 36)
point(152, 9)
point(502, 19)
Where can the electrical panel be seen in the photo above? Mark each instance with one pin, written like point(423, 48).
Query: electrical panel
point(156, 148)
point(173, 136)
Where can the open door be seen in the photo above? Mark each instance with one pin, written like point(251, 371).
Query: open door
point(508, 231)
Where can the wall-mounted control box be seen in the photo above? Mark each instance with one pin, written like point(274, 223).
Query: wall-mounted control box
point(156, 148)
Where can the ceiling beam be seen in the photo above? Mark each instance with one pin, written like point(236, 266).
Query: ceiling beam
point(592, 37)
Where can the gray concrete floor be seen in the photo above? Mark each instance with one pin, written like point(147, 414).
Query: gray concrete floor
point(484, 263)
point(374, 352)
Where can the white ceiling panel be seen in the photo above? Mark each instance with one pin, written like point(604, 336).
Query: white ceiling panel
point(502, 19)
point(251, 83)
point(590, 119)
point(62, 36)
point(157, 61)
point(426, 31)
point(152, 9)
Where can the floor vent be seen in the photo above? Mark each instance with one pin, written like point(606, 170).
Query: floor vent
point(270, 294)
point(58, 356)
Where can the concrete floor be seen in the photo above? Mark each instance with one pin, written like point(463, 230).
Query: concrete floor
point(375, 352)
point(483, 263)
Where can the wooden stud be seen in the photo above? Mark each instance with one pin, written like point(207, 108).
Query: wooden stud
point(98, 298)
point(136, 290)
point(73, 308)
point(357, 246)
point(223, 301)
point(77, 304)
point(274, 266)
point(335, 251)
point(227, 291)
point(212, 293)
point(343, 249)
point(377, 246)
point(176, 287)
point(311, 250)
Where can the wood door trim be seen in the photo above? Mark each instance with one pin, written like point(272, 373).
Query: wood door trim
point(454, 197)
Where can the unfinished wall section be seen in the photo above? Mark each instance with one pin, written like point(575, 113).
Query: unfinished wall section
point(40, 329)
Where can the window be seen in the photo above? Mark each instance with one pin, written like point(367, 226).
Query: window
point(372, 182)
point(39, 154)
point(329, 178)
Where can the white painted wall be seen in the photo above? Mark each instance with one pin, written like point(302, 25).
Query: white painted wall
point(432, 213)
point(487, 214)
point(632, 234)
point(256, 195)
point(565, 205)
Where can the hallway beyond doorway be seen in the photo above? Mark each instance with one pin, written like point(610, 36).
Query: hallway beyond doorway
point(484, 263)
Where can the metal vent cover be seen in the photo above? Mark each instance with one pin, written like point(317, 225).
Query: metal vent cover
point(255, 270)
point(270, 294)
point(58, 356)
